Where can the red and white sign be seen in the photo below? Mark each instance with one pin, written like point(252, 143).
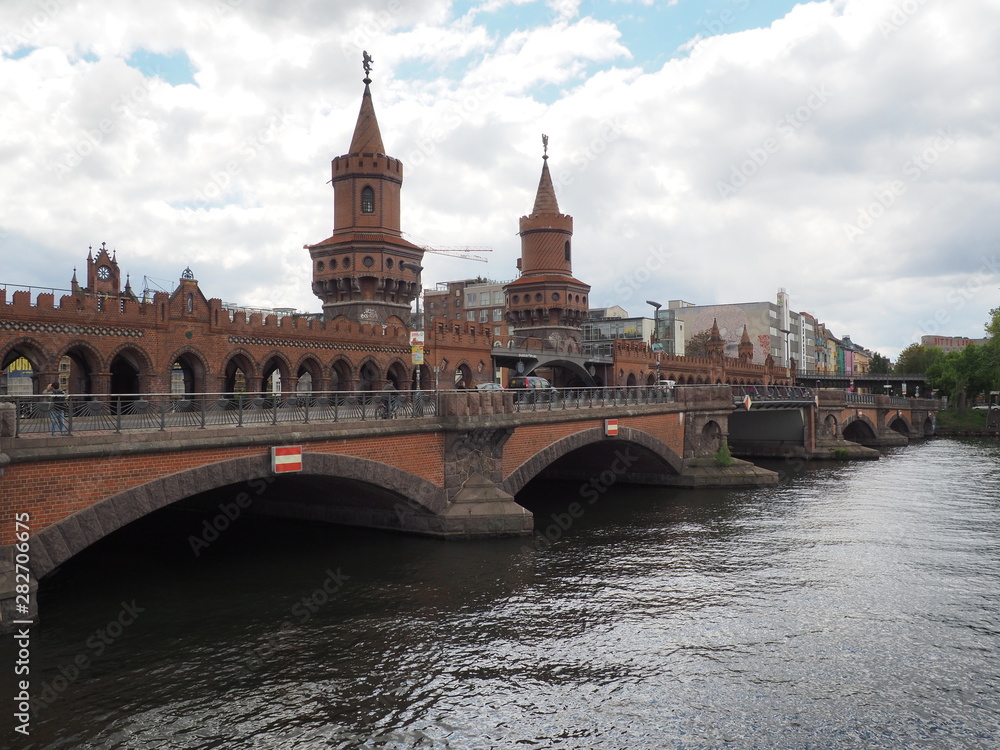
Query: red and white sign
point(286, 458)
point(610, 427)
point(747, 402)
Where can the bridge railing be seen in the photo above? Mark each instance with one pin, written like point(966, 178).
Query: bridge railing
point(551, 399)
point(159, 411)
point(795, 393)
point(41, 415)
point(862, 398)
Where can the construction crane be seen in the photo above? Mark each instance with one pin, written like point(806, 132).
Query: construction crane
point(467, 252)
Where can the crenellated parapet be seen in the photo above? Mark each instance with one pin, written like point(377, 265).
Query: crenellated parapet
point(637, 358)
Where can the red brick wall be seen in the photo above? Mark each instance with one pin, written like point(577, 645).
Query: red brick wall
point(52, 490)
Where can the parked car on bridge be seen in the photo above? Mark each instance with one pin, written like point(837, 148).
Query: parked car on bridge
point(528, 382)
point(489, 387)
point(532, 389)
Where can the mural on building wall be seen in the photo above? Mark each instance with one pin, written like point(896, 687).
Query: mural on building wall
point(731, 320)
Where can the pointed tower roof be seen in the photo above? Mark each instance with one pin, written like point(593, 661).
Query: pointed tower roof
point(367, 137)
point(745, 338)
point(715, 329)
point(545, 198)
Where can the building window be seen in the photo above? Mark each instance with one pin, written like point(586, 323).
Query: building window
point(471, 316)
point(367, 200)
point(368, 261)
point(497, 314)
point(497, 297)
point(471, 298)
point(566, 250)
point(484, 316)
point(319, 265)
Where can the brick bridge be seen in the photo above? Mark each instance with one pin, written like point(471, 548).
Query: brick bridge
point(455, 474)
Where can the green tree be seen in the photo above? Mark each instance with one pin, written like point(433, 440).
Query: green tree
point(879, 365)
point(942, 376)
point(964, 375)
point(917, 359)
point(697, 345)
point(992, 347)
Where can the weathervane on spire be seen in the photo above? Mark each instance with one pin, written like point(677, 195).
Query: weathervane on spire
point(366, 61)
point(545, 146)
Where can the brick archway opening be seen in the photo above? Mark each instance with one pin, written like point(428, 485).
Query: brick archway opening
point(898, 424)
point(188, 374)
point(129, 368)
point(332, 488)
point(633, 457)
point(82, 370)
point(860, 431)
point(22, 364)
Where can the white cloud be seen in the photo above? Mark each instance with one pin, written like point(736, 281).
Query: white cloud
point(820, 114)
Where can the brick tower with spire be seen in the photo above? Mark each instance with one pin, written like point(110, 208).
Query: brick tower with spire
point(360, 271)
point(545, 302)
point(745, 348)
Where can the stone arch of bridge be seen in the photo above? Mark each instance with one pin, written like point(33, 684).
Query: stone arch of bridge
point(575, 373)
point(55, 544)
point(859, 429)
point(519, 477)
point(929, 426)
point(898, 423)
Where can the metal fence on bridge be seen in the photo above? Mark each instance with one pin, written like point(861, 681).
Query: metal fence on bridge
point(774, 394)
point(74, 414)
point(162, 411)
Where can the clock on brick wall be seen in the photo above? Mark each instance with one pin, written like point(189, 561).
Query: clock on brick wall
point(103, 273)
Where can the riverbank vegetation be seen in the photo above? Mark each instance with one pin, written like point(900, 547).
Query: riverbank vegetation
point(961, 419)
point(965, 376)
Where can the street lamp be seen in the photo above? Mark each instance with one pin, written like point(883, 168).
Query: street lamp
point(656, 316)
point(656, 332)
point(407, 266)
point(786, 332)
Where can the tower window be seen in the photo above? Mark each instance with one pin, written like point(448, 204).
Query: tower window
point(367, 200)
point(567, 251)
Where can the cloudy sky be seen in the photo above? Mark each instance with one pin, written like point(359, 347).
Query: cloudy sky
point(710, 150)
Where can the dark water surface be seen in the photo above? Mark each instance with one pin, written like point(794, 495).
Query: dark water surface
point(853, 606)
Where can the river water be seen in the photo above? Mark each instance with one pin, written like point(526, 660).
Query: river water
point(853, 606)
